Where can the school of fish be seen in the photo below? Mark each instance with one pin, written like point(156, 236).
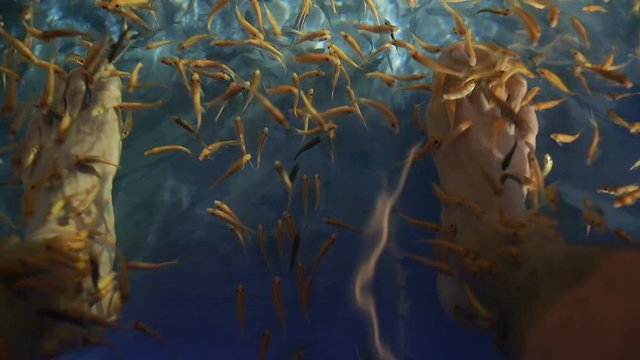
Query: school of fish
point(309, 63)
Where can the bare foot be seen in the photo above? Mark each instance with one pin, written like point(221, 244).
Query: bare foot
point(521, 280)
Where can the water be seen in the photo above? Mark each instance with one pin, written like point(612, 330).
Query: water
point(160, 200)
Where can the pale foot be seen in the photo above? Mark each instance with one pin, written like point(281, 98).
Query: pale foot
point(65, 262)
point(519, 264)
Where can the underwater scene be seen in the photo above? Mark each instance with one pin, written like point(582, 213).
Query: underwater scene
point(319, 179)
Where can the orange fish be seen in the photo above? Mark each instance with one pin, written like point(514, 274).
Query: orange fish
point(240, 306)
point(278, 304)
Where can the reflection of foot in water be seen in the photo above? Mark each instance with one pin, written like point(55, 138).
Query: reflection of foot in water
point(544, 298)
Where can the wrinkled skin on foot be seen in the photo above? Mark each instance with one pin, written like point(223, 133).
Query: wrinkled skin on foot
point(516, 272)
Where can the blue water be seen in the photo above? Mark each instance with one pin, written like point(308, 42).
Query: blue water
point(160, 201)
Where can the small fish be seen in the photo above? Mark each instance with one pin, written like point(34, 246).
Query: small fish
point(318, 35)
point(240, 306)
point(389, 80)
point(277, 302)
point(213, 147)
point(137, 105)
point(422, 223)
point(441, 267)
point(294, 250)
point(376, 29)
point(305, 193)
point(47, 93)
point(460, 28)
point(507, 158)
point(544, 105)
point(316, 58)
point(198, 63)
point(533, 28)
point(133, 79)
point(18, 45)
point(298, 355)
point(248, 27)
point(374, 10)
point(497, 11)
point(554, 13)
point(532, 93)
point(335, 49)
point(306, 294)
point(582, 31)
point(616, 97)
point(560, 138)
point(215, 9)
point(554, 80)
point(433, 49)
point(255, 82)
point(384, 47)
point(234, 230)
point(551, 194)
point(317, 187)
point(336, 222)
point(381, 107)
point(351, 41)
point(192, 41)
point(392, 34)
point(621, 233)
point(217, 75)
point(240, 134)
point(354, 102)
point(185, 125)
point(148, 330)
point(262, 244)
point(262, 140)
point(594, 8)
point(157, 44)
point(11, 73)
point(547, 165)
point(593, 147)
point(196, 96)
point(476, 306)
point(123, 279)
point(627, 199)
point(324, 248)
point(305, 7)
point(234, 168)
point(264, 344)
point(463, 91)
point(469, 49)
point(308, 145)
point(232, 91)
point(311, 74)
point(285, 179)
point(434, 65)
point(275, 27)
point(307, 101)
point(165, 148)
point(141, 265)
point(294, 172)
point(616, 77)
point(273, 110)
point(280, 239)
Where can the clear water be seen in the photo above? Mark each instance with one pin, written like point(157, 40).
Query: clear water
point(160, 200)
